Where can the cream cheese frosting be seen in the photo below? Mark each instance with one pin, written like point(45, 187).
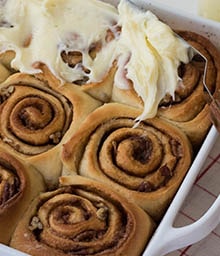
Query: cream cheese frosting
point(151, 54)
point(38, 31)
point(147, 51)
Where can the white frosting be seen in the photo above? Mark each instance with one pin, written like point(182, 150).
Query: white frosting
point(147, 50)
point(155, 54)
point(55, 26)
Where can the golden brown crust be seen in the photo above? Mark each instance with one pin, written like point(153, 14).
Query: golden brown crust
point(82, 217)
point(146, 163)
point(19, 184)
point(38, 116)
point(102, 90)
point(126, 96)
point(5, 65)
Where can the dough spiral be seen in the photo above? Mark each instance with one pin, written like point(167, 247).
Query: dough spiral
point(146, 163)
point(82, 218)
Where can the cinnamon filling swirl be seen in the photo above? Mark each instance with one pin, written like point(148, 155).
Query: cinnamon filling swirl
point(33, 118)
point(12, 180)
point(80, 220)
point(9, 182)
point(132, 157)
point(192, 79)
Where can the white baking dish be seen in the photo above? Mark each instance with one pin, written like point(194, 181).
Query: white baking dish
point(167, 238)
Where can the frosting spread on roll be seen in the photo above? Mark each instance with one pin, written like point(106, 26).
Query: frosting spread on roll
point(42, 30)
point(151, 54)
point(79, 41)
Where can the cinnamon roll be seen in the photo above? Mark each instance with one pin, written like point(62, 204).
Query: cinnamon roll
point(145, 163)
point(36, 119)
point(189, 110)
point(82, 217)
point(19, 184)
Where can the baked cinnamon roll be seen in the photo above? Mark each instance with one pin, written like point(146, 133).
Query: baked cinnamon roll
point(189, 109)
point(19, 184)
point(36, 119)
point(82, 217)
point(145, 163)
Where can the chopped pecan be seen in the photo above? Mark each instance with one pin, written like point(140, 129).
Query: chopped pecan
point(35, 224)
point(56, 137)
point(6, 92)
point(145, 186)
point(102, 213)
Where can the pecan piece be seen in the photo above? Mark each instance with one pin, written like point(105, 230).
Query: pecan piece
point(145, 186)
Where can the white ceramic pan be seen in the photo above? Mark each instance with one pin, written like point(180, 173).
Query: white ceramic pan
point(168, 238)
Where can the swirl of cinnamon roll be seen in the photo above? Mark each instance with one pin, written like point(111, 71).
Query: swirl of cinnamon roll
point(189, 109)
point(10, 182)
point(146, 163)
point(82, 218)
point(36, 118)
point(17, 188)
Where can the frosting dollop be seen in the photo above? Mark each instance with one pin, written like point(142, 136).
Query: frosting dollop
point(151, 54)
